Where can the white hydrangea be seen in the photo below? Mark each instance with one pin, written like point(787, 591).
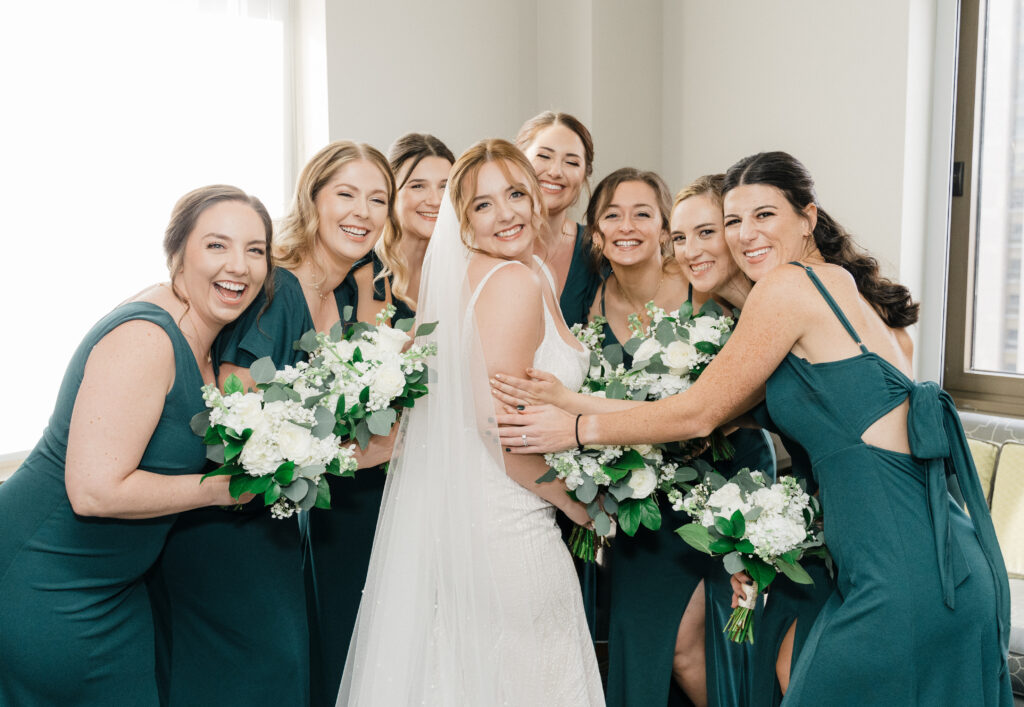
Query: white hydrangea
point(240, 411)
point(773, 534)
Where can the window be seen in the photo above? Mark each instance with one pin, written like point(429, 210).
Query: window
point(984, 363)
point(112, 110)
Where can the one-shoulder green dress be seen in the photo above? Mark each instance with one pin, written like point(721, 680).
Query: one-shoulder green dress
point(336, 551)
point(229, 589)
point(76, 626)
point(653, 576)
point(920, 615)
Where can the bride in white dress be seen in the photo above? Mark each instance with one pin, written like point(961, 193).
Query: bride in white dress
point(471, 598)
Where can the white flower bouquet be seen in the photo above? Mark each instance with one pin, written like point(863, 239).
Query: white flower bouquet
point(756, 528)
point(282, 438)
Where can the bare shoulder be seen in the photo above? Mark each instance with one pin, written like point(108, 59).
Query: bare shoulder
point(363, 276)
point(509, 277)
point(906, 343)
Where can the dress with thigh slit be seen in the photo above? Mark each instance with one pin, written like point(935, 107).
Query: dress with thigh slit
point(920, 614)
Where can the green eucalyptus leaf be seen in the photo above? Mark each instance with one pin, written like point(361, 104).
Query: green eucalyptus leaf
point(379, 422)
point(723, 338)
point(324, 427)
point(404, 324)
point(733, 563)
point(263, 370)
point(296, 490)
point(313, 471)
point(620, 491)
point(347, 312)
point(362, 434)
point(711, 309)
point(602, 524)
point(696, 536)
point(753, 514)
point(309, 500)
point(200, 422)
point(685, 474)
point(587, 491)
point(311, 402)
point(616, 390)
point(337, 332)
point(613, 354)
point(716, 480)
point(611, 505)
point(424, 329)
point(215, 453)
point(307, 342)
point(549, 475)
point(665, 333)
point(275, 393)
point(233, 384)
point(686, 311)
point(656, 366)
point(632, 345)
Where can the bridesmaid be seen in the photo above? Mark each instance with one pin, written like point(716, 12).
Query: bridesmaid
point(337, 543)
point(230, 584)
point(88, 512)
point(561, 151)
point(824, 343)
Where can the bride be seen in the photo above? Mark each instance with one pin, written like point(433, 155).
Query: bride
point(471, 597)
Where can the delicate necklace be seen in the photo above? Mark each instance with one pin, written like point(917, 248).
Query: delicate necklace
point(316, 285)
point(641, 309)
point(569, 229)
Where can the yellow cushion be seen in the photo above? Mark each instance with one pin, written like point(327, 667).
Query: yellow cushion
point(1008, 506)
point(984, 454)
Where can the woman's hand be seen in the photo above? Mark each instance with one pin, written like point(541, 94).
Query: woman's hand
point(378, 450)
point(739, 581)
point(537, 430)
point(577, 513)
point(540, 388)
point(222, 495)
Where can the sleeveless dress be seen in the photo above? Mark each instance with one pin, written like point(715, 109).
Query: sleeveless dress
point(538, 579)
point(228, 591)
point(581, 282)
point(76, 626)
point(786, 601)
point(921, 612)
point(653, 575)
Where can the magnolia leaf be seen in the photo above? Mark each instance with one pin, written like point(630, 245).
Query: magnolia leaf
point(685, 474)
point(611, 505)
point(347, 312)
point(616, 390)
point(380, 421)
point(404, 324)
point(745, 546)
point(650, 514)
point(549, 475)
point(613, 354)
point(424, 329)
point(630, 459)
point(309, 500)
point(238, 485)
point(263, 370)
point(324, 423)
point(296, 490)
point(307, 342)
point(602, 524)
point(632, 345)
point(200, 422)
point(215, 453)
point(721, 546)
point(706, 347)
point(232, 385)
point(724, 526)
point(711, 309)
point(323, 494)
point(629, 516)
point(733, 563)
point(285, 473)
point(620, 491)
point(587, 491)
point(696, 536)
point(362, 434)
point(739, 526)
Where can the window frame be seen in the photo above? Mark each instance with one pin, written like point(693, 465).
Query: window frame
point(999, 393)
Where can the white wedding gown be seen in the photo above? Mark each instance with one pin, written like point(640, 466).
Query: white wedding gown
point(471, 598)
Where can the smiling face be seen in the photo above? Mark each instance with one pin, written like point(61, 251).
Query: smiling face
point(630, 226)
point(698, 240)
point(224, 263)
point(419, 198)
point(352, 208)
point(558, 157)
point(763, 229)
point(501, 212)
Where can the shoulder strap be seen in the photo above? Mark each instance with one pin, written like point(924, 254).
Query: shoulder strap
point(483, 281)
point(547, 273)
point(689, 292)
point(832, 303)
point(604, 282)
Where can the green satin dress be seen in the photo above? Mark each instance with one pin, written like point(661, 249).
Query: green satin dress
point(920, 614)
point(652, 577)
point(581, 283)
point(336, 551)
point(229, 589)
point(76, 625)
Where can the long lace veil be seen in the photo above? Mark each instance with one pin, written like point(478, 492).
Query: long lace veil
point(428, 627)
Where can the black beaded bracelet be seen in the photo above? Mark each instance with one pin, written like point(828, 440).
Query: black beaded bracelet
point(579, 446)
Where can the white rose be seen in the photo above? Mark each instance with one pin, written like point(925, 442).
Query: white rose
point(295, 442)
point(679, 356)
point(388, 382)
point(647, 349)
point(705, 329)
point(643, 450)
point(393, 340)
point(260, 455)
point(343, 350)
point(643, 482)
point(244, 411)
point(728, 500)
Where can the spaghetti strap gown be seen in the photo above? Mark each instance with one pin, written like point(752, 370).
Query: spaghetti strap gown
point(920, 614)
point(653, 575)
point(76, 625)
point(229, 591)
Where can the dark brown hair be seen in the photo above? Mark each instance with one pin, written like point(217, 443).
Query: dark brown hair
point(603, 193)
point(786, 173)
point(415, 146)
point(534, 125)
point(183, 221)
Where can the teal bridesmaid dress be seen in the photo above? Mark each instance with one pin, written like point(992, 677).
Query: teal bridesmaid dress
point(76, 625)
point(336, 555)
point(920, 614)
point(581, 283)
point(652, 577)
point(228, 591)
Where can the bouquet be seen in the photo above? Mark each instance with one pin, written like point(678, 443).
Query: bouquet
point(756, 527)
point(282, 438)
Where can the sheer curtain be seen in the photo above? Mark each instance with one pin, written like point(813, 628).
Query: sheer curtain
point(112, 109)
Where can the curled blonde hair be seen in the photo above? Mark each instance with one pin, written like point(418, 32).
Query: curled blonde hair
point(463, 184)
point(299, 232)
point(707, 185)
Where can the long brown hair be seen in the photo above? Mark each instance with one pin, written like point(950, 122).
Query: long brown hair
point(528, 133)
point(603, 193)
point(786, 173)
